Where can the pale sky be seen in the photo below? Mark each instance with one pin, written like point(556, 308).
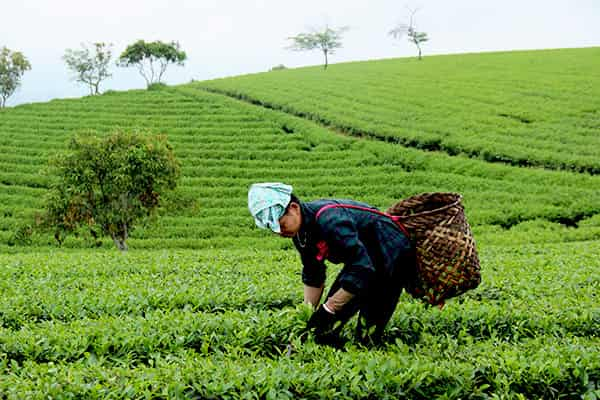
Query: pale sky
point(227, 37)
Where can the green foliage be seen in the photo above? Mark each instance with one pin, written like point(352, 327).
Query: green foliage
point(516, 108)
point(216, 324)
point(157, 86)
point(225, 145)
point(90, 68)
point(21, 236)
point(326, 40)
point(13, 65)
point(205, 304)
point(278, 67)
point(109, 183)
point(149, 56)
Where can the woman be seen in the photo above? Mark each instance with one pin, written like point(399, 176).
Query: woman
point(376, 251)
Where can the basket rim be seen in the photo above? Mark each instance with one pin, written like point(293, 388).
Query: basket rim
point(437, 210)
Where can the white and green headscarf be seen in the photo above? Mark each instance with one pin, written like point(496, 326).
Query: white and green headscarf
point(267, 203)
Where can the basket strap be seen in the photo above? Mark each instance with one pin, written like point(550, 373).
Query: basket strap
point(395, 218)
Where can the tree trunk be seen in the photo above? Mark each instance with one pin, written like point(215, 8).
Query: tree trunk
point(419, 47)
point(163, 68)
point(151, 70)
point(120, 238)
point(141, 71)
point(326, 61)
point(120, 243)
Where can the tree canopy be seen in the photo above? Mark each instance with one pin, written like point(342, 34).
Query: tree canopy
point(13, 65)
point(152, 58)
point(108, 184)
point(90, 66)
point(326, 40)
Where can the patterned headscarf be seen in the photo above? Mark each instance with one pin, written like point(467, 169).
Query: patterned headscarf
point(267, 203)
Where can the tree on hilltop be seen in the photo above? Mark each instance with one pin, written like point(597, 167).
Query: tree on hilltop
point(90, 66)
point(327, 40)
point(13, 65)
point(410, 30)
point(109, 184)
point(152, 58)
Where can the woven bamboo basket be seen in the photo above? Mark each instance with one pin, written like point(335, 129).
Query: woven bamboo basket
point(447, 261)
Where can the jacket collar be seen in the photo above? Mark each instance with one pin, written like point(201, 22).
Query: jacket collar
point(308, 212)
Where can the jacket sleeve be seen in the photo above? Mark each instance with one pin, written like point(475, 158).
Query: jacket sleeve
point(342, 237)
point(313, 271)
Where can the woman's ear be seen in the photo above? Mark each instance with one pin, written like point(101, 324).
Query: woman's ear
point(296, 207)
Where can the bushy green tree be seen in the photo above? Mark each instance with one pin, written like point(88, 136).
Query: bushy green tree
point(90, 67)
point(108, 184)
point(152, 58)
point(13, 65)
point(326, 40)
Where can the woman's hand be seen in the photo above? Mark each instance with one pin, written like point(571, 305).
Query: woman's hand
point(321, 321)
point(312, 295)
point(326, 328)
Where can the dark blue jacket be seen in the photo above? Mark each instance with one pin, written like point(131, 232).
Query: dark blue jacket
point(369, 245)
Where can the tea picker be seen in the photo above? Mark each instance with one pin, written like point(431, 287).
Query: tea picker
point(422, 244)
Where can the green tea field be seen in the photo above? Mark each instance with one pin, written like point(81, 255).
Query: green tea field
point(205, 305)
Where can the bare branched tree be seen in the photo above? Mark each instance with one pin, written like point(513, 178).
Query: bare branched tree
point(90, 66)
point(410, 30)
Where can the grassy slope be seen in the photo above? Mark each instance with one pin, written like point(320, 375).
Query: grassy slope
point(523, 108)
point(225, 145)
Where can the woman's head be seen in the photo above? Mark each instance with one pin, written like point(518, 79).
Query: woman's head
point(291, 220)
point(273, 206)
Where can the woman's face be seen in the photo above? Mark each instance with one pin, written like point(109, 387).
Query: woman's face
point(290, 221)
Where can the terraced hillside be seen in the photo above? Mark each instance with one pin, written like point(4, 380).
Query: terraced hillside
point(204, 304)
point(535, 108)
point(225, 145)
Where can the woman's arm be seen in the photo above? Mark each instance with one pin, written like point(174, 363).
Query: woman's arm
point(312, 295)
point(339, 299)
